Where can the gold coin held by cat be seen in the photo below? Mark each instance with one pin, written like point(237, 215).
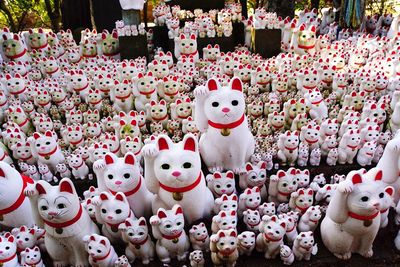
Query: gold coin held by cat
point(367, 223)
point(177, 196)
point(225, 132)
point(59, 231)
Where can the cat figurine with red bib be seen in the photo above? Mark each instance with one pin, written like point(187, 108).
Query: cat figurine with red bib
point(226, 142)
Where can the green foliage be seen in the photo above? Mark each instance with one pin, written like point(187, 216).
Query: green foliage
point(23, 14)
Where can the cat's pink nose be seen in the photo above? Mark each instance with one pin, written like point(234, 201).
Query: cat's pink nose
point(52, 213)
point(109, 217)
point(226, 110)
point(176, 173)
point(118, 182)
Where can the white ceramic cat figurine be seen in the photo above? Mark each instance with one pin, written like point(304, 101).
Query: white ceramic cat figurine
point(173, 173)
point(27, 237)
point(8, 247)
point(131, 4)
point(224, 220)
point(224, 248)
point(199, 237)
point(226, 142)
point(123, 175)
point(15, 209)
point(196, 258)
point(287, 255)
point(246, 243)
point(353, 216)
point(58, 210)
point(136, 234)
point(309, 220)
point(100, 251)
point(111, 211)
point(282, 185)
point(304, 246)
point(168, 229)
point(31, 257)
point(255, 175)
point(249, 199)
point(270, 238)
point(301, 200)
point(225, 203)
point(251, 219)
point(221, 183)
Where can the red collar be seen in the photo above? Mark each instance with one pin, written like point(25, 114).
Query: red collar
point(67, 223)
point(116, 150)
point(173, 94)
point(327, 82)
point(102, 258)
point(201, 240)
point(20, 199)
point(54, 71)
point(306, 47)
point(24, 122)
point(288, 231)
point(281, 91)
point(123, 97)
point(362, 217)
point(40, 47)
point(95, 103)
point(263, 83)
point(89, 56)
point(318, 102)
point(226, 254)
point(131, 192)
point(60, 101)
point(291, 149)
point(8, 259)
point(277, 127)
point(24, 159)
point(182, 189)
point(352, 147)
point(17, 55)
point(287, 255)
point(271, 239)
point(1, 105)
point(284, 194)
point(183, 117)
point(141, 242)
point(313, 221)
point(311, 142)
point(253, 225)
point(80, 165)
point(81, 89)
point(104, 90)
point(227, 126)
point(19, 92)
point(4, 155)
point(147, 93)
point(385, 210)
point(161, 119)
point(302, 209)
point(110, 55)
point(309, 87)
point(370, 154)
point(48, 154)
point(190, 54)
point(171, 237)
point(44, 104)
point(306, 249)
point(380, 89)
point(342, 86)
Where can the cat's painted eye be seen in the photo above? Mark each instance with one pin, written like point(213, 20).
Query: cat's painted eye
point(118, 211)
point(235, 103)
point(168, 226)
point(127, 175)
point(364, 199)
point(103, 211)
point(7, 248)
point(178, 223)
point(90, 247)
point(381, 195)
point(61, 206)
point(165, 166)
point(110, 176)
point(43, 207)
point(215, 104)
point(187, 165)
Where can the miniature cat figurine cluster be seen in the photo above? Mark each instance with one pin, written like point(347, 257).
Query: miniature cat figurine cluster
point(216, 154)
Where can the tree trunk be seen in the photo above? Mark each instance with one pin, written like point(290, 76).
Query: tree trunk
point(315, 4)
point(92, 15)
point(283, 8)
point(54, 14)
point(10, 19)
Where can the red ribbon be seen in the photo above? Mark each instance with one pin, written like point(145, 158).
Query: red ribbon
point(271, 239)
point(181, 189)
point(67, 223)
point(48, 154)
point(227, 126)
point(102, 258)
point(131, 192)
point(17, 55)
point(81, 89)
point(362, 217)
point(171, 237)
point(8, 259)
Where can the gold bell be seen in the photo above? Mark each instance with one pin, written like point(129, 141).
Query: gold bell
point(177, 196)
point(1, 217)
point(47, 157)
point(148, 96)
point(175, 240)
point(123, 100)
point(367, 223)
point(225, 132)
point(59, 231)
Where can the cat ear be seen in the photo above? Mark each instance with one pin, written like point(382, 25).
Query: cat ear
point(233, 233)
point(178, 210)
point(130, 158)
point(66, 185)
point(190, 143)
point(389, 190)
point(109, 158)
point(103, 242)
point(230, 174)
point(103, 196)
point(163, 142)
point(2, 173)
point(378, 175)
point(40, 189)
point(236, 84)
point(221, 234)
point(120, 197)
point(249, 167)
point(161, 214)
point(212, 84)
point(356, 179)
point(142, 221)
point(283, 224)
